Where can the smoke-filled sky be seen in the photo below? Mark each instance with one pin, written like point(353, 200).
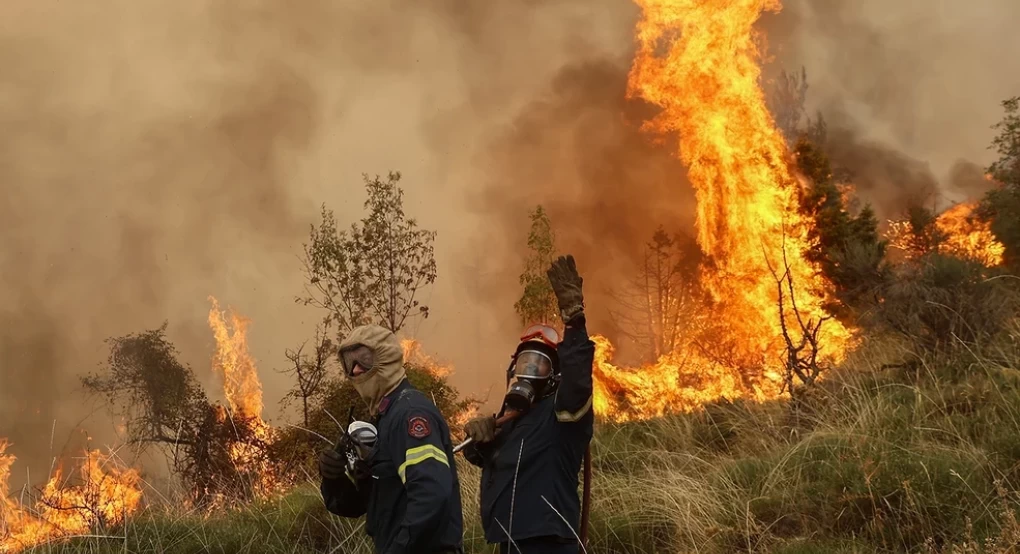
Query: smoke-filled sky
point(157, 153)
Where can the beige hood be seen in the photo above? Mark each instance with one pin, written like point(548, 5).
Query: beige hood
point(388, 370)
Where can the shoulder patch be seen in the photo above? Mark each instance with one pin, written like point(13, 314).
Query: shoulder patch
point(418, 427)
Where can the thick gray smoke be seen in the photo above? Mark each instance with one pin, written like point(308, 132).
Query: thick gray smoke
point(157, 153)
point(911, 88)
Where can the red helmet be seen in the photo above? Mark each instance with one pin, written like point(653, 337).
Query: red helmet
point(536, 342)
point(541, 333)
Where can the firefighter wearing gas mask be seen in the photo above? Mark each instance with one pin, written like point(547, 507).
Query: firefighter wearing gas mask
point(530, 465)
point(397, 470)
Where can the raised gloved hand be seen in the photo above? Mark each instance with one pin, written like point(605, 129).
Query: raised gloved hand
point(332, 464)
point(481, 429)
point(566, 283)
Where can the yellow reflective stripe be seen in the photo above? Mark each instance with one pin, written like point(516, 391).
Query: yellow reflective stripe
point(568, 417)
point(418, 455)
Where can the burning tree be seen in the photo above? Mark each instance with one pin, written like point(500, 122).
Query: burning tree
point(372, 272)
point(538, 302)
point(846, 248)
point(218, 452)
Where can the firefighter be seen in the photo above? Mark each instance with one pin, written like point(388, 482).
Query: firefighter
point(530, 465)
point(406, 482)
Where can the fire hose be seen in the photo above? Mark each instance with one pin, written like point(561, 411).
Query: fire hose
point(586, 494)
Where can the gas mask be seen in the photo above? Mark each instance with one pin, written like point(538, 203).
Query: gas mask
point(530, 374)
point(363, 436)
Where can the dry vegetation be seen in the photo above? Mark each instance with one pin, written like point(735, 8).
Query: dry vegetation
point(896, 451)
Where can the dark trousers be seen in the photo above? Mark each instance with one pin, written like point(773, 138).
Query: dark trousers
point(540, 545)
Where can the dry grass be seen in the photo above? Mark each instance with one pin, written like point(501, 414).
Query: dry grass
point(923, 456)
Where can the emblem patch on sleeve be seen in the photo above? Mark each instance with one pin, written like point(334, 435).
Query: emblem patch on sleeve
point(418, 427)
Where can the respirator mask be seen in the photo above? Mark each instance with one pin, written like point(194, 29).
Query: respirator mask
point(530, 374)
point(362, 437)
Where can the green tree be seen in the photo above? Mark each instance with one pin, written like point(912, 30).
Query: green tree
point(1001, 206)
point(372, 272)
point(846, 247)
point(538, 302)
point(1006, 169)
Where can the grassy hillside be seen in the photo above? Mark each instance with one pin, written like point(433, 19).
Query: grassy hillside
point(922, 456)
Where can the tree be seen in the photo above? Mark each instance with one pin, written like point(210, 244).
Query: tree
point(158, 396)
point(786, 97)
point(847, 248)
point(163, 405)
point(660, 303)
point(310, 371)
point(538, 301)
point(1001, 205)
point(802, 365)
point(1006, 169)
point(372, 272)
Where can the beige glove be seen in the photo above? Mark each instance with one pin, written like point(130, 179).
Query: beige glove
point(481, 429)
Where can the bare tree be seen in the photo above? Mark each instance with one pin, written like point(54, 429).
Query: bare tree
point(309, 371)
point(802, 363)
point(372, 272)
point(658, 307)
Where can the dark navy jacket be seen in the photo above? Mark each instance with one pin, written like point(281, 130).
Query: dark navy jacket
point(412, 498)
point(542, 452)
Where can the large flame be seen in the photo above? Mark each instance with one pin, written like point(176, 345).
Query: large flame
point(697, 61)
point(107, 495)
point(232, 362)
point(243, 391)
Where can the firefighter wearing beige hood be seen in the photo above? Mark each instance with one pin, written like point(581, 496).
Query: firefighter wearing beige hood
point(407, 485)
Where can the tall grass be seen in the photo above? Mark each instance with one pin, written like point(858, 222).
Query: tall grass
point(896, 451)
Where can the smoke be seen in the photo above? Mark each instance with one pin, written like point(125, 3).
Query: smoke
point(155, 154)
point(911, 88)
point(158, 153)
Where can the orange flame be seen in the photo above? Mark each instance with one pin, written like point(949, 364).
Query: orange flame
point(413, 354)
point(243, 391)
point(232, 362)
point(697, 61)
point(968, 236)
point(107, 496)
point(962, 235)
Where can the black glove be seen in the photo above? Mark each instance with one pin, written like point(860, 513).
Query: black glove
point(332, 464)
point(566, 283)
point(481, 429)
point(362, 472)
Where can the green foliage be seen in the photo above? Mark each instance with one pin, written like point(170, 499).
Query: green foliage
point(941, 302)
point(538, 301)
point(163, 405)
point(372, 272)
point(1006, 169)
point(1001, 206)
point(847, 248)
point(1001, 209)
point(147, 386)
